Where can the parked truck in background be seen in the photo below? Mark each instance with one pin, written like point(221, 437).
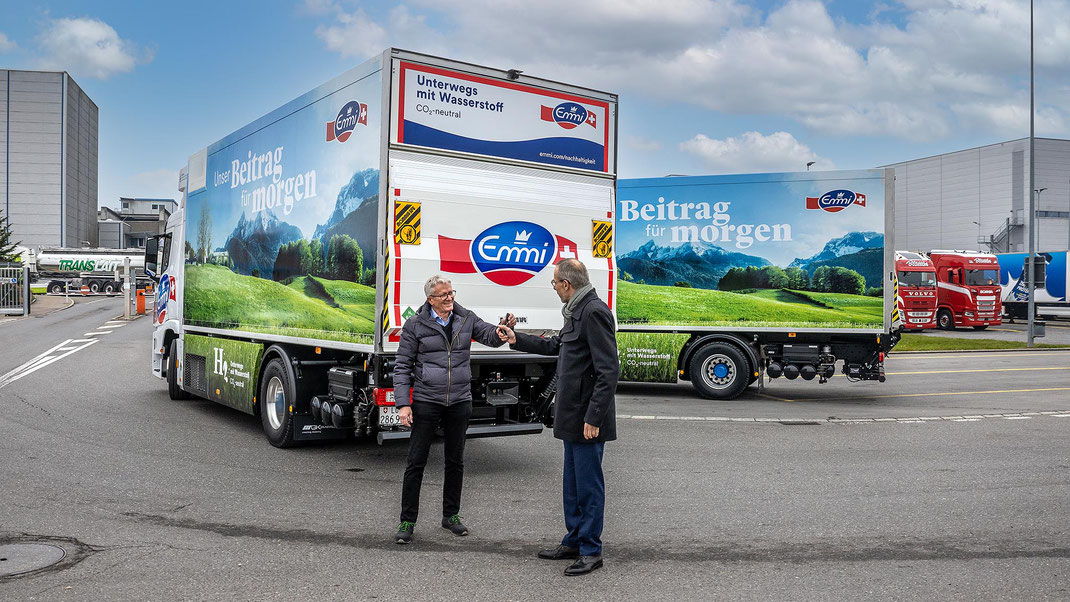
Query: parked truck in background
point(724, 278)
point(1051, 273)
point(967, 289)
point(916, 290)
point(303, 240)
point(69, 269)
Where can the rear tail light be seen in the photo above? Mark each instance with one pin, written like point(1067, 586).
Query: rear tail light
point(384, 397)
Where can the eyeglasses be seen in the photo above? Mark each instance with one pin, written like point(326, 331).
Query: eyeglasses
point(554, 282)
point(445, 294)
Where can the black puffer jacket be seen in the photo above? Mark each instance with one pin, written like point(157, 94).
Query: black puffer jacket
point(439, 371)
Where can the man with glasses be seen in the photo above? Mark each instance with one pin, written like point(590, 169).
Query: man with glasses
point(584, 412)
point(433, 360)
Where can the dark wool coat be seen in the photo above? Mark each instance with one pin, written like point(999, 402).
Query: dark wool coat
point(439, 370)
point(587, 370)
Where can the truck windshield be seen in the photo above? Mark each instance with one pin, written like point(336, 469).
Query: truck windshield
point(917, 279)
point(981, 277)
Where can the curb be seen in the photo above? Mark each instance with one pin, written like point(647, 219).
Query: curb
point(1015, 350)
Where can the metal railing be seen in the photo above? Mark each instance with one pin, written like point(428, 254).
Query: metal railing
point(14, 290)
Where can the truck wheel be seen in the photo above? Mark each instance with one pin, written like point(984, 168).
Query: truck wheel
point(944, 320)
point(720, 371)
point(55, 288)
point(980, 327)
point(174, 390)
point(276, 397)
point(109, 287)
point(94, 286)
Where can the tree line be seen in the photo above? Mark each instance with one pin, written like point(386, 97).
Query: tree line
point(826, 279)
point(340, 259)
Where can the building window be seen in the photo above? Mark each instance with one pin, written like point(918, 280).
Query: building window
point(126, 205)
point(1058, 214)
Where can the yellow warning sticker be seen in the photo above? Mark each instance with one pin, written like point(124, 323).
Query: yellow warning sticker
point(602, 239)
point(406, 222)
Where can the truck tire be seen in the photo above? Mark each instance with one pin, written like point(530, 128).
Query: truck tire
point(720, 371)
point(276, 396)
point(94, 286)
point(109, 287)
point(945, 320)
point(174, 390)
point(55, 288)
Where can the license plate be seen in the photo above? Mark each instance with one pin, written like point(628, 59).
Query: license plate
point(388, 416)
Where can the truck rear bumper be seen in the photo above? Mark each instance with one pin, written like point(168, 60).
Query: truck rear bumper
point(476, 431)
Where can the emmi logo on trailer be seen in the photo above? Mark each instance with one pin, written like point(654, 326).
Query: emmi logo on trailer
point(569, 115)
point(349, 116)
point(836, 200)
point(509, 253)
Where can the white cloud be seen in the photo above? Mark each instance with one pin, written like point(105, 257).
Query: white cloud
point(6, 43)
point(88, 47)
point(915, 69)
point(754, 152)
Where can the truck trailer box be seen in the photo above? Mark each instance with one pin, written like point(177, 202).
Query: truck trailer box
point(1051, 275)
point(310, 232)
point(721, 277)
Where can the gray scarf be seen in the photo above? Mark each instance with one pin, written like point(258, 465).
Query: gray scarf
point(580, 293)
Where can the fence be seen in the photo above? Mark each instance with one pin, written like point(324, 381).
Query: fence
point(14, 290)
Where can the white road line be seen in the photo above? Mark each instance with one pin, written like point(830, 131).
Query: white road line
point(908, 420)
point(41, 361)
point(1017, 417)
point(89, 334)
point(113, 326)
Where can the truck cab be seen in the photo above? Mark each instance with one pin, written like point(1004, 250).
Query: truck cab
point(916, 291)
point(968, 291)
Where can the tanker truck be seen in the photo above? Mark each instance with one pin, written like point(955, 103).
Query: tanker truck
point(68, 269)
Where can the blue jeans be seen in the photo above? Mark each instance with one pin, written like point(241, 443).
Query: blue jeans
point(583, 489)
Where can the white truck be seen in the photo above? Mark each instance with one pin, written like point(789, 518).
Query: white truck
point(724, 278)
point(68, 269)
point(303, 239)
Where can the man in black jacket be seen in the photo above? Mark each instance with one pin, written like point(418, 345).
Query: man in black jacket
point(584, 412)
point(434, 360)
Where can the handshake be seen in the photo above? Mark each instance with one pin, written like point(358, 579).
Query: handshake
point(505, 328)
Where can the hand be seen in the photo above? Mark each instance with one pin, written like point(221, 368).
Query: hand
point(506, 334)
point(405, 414)
point(590, 431)
point(510, 321)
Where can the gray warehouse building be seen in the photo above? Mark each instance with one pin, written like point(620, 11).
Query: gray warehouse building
point(48, 159)
point(977, 198)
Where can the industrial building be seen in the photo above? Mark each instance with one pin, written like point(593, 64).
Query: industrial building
point(48, 159)
point(135, 221)
point(977, 198)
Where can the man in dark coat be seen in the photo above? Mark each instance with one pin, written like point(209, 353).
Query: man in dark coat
point(434, 359)
point(584, 412)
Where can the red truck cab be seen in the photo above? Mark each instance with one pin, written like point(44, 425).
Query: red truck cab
point(967, 289)
point(916, 277)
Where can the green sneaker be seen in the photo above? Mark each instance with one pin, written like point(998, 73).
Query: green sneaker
point(404, 534)
point(454, 524)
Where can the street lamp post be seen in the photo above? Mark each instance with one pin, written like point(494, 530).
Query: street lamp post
point(1032, 183)
point(1036, 209)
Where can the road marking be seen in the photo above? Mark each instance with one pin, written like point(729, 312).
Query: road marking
point(983, 370)
point(113, 326)
point(940, 394)
point(795, 421)
point(43, 360)
point(941, 356)
point(774, 398)
point(89, 334)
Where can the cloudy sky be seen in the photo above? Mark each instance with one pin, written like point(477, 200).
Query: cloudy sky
point(706, 86)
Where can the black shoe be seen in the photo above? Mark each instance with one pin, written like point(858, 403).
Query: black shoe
point(404, 534)
point(454, 524)
point(561, 552)
point(584, 565)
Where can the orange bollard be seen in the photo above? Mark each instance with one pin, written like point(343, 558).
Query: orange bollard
point(140, 302)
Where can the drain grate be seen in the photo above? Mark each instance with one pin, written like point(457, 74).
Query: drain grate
point(19, 558)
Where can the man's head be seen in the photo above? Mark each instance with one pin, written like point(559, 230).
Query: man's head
point(439, 291)
point(569, 275)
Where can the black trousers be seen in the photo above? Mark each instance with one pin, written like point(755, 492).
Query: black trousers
point(425, 419)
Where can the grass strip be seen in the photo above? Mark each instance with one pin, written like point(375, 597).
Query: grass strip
point(920, 342)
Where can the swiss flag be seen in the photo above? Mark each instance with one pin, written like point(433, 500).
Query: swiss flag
point(592, 119)
point(454, 255)
point(566, 249)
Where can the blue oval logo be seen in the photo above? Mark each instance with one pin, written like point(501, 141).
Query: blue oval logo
point(347, 119)
point(511, 253)
point(569, 115)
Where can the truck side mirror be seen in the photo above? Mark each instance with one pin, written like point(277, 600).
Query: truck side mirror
point(152, 251)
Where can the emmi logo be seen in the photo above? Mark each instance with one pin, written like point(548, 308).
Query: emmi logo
point(219, 366)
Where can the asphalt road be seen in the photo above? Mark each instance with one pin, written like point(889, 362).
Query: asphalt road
point(949, 481)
